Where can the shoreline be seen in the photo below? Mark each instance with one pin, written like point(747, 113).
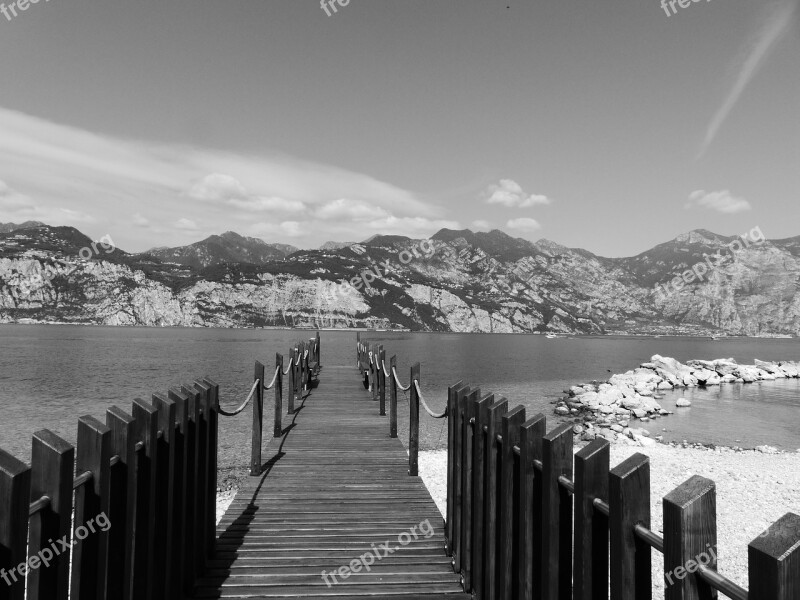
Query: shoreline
point(610, 409)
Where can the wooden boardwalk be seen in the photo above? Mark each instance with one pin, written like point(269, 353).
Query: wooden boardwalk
point(336, 488)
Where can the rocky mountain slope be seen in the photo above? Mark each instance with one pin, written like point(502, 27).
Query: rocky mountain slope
point(456, 281)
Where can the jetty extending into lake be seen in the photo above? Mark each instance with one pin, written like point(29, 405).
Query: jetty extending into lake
point(335, 506)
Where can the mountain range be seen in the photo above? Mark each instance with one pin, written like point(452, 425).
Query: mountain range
point(461, 281)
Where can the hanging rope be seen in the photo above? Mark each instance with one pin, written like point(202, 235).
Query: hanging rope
point(289, 367)
point(256, 383)
point(400, 385)
point(274, 377)
point(385, 371)
point(425, 404)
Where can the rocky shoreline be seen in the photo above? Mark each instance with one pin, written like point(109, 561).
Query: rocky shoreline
point(611, 408)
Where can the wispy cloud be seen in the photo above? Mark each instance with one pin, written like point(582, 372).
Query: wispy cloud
point(67, 176)
point(757, 50)
point(509, 193)
point(721, 201)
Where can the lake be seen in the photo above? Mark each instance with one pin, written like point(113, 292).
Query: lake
point(51, 374)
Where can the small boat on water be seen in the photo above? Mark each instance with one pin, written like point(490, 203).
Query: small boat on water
point(551, 336)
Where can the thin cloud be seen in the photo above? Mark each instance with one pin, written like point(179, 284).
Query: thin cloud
point(721, 201)
point(509, 193)
point(777, 24)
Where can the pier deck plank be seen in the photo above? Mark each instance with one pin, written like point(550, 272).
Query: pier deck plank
point(335, 487)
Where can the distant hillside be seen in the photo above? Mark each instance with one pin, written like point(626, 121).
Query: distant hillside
point(9, 227)
point(229, 247)
point(457, 281)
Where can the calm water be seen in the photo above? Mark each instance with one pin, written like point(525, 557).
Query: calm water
point(51, 375)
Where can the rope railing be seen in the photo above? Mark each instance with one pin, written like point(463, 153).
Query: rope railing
point(289, 366)
point(405, 388)
point(425, 404)
point(274, 378)
point(244, 404)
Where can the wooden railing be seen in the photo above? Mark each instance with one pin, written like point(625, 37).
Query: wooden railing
point(141, 488)
point(528, 519)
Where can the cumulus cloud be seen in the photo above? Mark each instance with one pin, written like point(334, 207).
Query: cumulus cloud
point(523, 225)
point(481, 224)
point(721, 201)
point(140, 221)
point(351, 210)
point(509, 193)
point(186, 224)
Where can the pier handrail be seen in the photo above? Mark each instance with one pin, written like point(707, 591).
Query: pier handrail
point(527, 517)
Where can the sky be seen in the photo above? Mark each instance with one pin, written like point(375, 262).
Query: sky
point(611, 126)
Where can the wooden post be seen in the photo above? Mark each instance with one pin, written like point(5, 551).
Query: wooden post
point(258, 415)
point(557, 511)
point(204, 460)
point(392, 398)
point(382, 381)
point(290, 389)
point(480, 412)
point(690, 533)
point(358, 351)
point(509, 505)
point(451, 419)
point(278, 429)
point(458, 476)
point(413, 424)
point(213, 462)
point(492, 498)
point(466, 406)
point(303, 370)
point(165, 494)
point(192, 558)
point(319, 352)
point(15, 500)
point(52, 462)
point(774, 561)
point(531, 515)
point(91, 525)
point(122, 503)
point(146, 432)
point(629, 503)
point(298, 376)
point(180, 550)
point(590, 566)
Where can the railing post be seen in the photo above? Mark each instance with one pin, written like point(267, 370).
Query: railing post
point(690, 531)
point(531, 523)
point(480, 411)
point(90, 547)
point(165, 500)
point(590, 571)
point(774, 561)
point(509, 504)
point(303, 370)
point(392, 398)
point(278, 428)
point(146, 431)
point(290, 389)
point(358, 351)
point(180, 491)
point(15, 500)
point(298, 377)
point(451, 420)
point(458, 476)
point(192, 559)
point(629, 503)
point(466, 408)
point(122, 502)
point(382, 381)
point(52, 463)
point(557, 508)
point(213, 462)
point(203, 474)
point(258, 414)
point(413, 424)
point(319, 352)
point(492, 493)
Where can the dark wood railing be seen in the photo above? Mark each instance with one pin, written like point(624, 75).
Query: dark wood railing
point(141, 487)
point(527, 518)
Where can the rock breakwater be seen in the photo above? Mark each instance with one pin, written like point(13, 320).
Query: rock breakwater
point(611, 409)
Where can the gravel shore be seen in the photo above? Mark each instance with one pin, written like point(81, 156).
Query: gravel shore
point(753, 491)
